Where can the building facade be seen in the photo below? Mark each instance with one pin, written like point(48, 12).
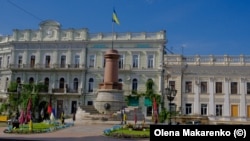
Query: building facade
point(214, 86)
point(71, 62)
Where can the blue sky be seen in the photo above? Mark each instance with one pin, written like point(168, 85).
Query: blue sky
point(194, 27)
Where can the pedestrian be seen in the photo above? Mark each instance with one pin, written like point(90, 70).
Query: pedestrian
point(122, 114)
point(42, 114)
point(62, 117)
point(124, 117)
point(74, 117)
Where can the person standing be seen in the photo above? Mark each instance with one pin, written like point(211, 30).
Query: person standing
point(122, 116)
point(62, 117)
point(74, 117)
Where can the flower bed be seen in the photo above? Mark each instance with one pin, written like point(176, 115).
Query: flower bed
point(43, 127)
point(128, 131)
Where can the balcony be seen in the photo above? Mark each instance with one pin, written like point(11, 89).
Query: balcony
point(125, 67)
point(64, 90)
point(46, 66)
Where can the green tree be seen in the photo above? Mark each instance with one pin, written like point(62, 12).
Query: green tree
point(27, 91)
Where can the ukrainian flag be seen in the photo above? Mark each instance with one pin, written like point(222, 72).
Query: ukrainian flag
point(115, 18)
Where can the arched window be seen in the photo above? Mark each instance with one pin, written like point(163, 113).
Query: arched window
point(91, 84)
point(31, 80)
point(150, 84)
point(61, 83)
point(134, 84)
point(75, 84)
point(18, 80)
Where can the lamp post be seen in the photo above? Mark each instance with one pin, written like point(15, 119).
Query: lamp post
point(170, 93)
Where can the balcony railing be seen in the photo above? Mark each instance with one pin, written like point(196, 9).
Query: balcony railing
point(46, 66)
point(207, 60)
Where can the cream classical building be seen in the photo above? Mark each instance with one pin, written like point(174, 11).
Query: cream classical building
point(214, 86)
point(71, 62)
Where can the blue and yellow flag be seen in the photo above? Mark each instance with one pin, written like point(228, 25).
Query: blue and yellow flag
point(115, 18)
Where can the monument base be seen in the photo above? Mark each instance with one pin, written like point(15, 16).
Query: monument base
point(109, 101)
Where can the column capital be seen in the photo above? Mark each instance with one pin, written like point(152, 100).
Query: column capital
point(212, 79)
point(227, 79)
point(243, 79)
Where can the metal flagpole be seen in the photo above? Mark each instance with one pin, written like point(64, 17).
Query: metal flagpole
point(112, 34)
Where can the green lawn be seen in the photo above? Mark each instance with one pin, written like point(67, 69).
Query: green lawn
point(129, 133)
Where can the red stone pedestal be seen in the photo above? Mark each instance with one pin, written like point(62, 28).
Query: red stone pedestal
point(111, 71)
point(110, 98)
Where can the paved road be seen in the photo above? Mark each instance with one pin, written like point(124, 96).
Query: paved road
point(78, 132)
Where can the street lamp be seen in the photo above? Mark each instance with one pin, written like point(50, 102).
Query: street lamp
point(170, 93)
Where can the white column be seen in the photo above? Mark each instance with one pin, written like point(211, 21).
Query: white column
point(196, 98)
point(25, 57)
point(38, 59)
point(13, 61)
point(69, 57)
point(211, 98)
point(54, 58)
point(226, 106)
point(242, 93)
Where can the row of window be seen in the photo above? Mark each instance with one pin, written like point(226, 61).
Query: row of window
point(91, 61)
point(135, 61)
point(218, 87)
point(204, 109)
point(62, 83)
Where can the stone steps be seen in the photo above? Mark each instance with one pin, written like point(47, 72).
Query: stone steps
point(90, 113)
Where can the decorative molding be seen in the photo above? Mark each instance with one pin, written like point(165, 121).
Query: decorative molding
point(243, 79)
point(227, 79)
point(211, 79)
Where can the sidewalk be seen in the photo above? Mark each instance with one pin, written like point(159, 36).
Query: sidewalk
point(82, 130)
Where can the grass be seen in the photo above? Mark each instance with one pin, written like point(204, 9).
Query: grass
point(127, 132)
point(42, 127)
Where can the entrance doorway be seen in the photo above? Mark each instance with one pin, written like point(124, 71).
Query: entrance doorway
point(234, 110)
point(59, 108)
point(73, 107)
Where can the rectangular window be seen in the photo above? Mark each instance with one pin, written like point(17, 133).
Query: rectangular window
point(20, 61)
point(91, 61)
point(203, 87)
point(188, 87)
point(8, 61)
point(47, 61)
point(1, 61)
point(172, 84)
point(203, 109)
point(248, 87)
point(63, 61)
point(172, 107)
point(32, 61)
point(121, 62)
point(188, 109)
point(218, 87)
point(218, 110)
point(135, 61)
point(234, 87)
point(150, 61)
point(77, 61)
